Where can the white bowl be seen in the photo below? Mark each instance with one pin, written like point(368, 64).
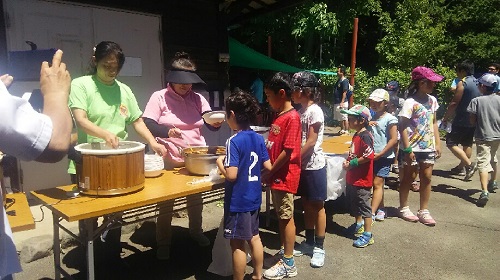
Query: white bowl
point(214, 117)
point(153, 165)
point(262, 130)
point(152, 173)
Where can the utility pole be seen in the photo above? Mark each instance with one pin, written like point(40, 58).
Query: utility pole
point(353, 56)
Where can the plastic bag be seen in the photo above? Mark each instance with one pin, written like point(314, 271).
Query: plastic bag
point(222, 254)
point(335, 177)
point(444, 125)
point(213, 176)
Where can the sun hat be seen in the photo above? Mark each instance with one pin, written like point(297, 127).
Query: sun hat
point(488, 80)
point(178, 76)
point(358, 110)
point(379, 95)
point(392, 87)
point(421, 72)
point(304, 79)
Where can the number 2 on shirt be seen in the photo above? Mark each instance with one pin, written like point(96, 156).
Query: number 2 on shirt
point(254, 158)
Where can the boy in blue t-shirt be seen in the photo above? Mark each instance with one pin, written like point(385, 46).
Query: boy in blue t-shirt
point(246, 155)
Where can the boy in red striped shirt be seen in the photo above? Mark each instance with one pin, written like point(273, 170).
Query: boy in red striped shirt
point(359, 177)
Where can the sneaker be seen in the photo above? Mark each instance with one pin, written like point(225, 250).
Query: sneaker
point(492, 186)
point(303, 249)
point(425, 217)
point(363, 241)
point(406, 214)
point(395, 169)
point(163, 253)
point(458, 171)
point(415, 186)
point(280, 270)
point(201, 239)
point(483, 199)
point(470, 170)
point(355, 229)
point(380, 216)
point(318, 257)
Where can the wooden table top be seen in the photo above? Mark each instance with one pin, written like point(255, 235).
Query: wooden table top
point(337, 144)
point(22, 219)
point(169, 185)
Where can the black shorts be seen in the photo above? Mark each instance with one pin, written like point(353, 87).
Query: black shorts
point(460, 135)
point(242, 226)
point(312, 184)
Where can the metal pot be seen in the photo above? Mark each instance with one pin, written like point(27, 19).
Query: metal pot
point(202, 159)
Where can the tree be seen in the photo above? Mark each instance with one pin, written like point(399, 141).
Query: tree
point(312, 35)
point(414, 35)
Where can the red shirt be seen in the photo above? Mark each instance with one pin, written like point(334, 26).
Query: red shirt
point(285, 133)
point(361, 147)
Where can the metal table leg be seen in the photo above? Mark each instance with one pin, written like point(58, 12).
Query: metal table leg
point(56, 246)
point(89, 240)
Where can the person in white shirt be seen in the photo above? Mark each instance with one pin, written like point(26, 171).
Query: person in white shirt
point(30, 135)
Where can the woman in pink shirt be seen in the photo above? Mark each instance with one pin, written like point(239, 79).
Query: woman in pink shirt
point(174, 116)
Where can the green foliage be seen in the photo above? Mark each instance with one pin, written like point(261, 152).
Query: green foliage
point(439, 32)
point(415, 34)
point(313, 25)
point(433, 33)
point(475, 26)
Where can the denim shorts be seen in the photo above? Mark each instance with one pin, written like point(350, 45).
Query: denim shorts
point(312, 184)
point(420, 157)
point(243, 226)
point(382, 167)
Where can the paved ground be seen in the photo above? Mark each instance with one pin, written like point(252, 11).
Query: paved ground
point(463, 244)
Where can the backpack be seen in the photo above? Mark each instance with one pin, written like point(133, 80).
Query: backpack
point(350, 91)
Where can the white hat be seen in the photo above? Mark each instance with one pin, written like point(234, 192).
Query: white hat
point(488, 80)
point(379, 95)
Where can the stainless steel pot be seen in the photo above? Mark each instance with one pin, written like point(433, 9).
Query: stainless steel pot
point(202, 159)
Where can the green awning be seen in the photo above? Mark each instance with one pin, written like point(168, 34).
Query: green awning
point(243, 56)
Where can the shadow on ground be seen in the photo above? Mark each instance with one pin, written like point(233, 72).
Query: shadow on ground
point(187, 258)
point(465, 194)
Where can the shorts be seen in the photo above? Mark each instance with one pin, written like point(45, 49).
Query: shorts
point(283, 204)
point(460, 135)
point(360, 201)
point(242, 226)
point(382, 167)
point(420, 157)
point(336, 112)
point(312, 184)
point(486, 155)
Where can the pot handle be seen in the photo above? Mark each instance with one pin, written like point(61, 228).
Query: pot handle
point(74, 155)
point(181, 151)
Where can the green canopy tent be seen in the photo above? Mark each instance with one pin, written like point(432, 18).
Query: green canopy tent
point(243, 56)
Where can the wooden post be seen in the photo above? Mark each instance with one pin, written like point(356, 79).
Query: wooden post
point(353, 56)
